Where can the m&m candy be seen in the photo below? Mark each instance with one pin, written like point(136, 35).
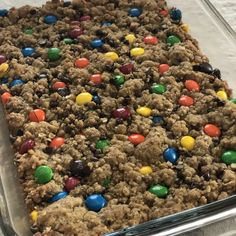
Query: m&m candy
point(222, 95)
point(50, 19)
point(146, 170)
point(85, 18)
point(96, 43)
point(150, 40)
point(34, 216)
point(28, 51)
point(2, 59)
point(54, 54)
point(58, 197)
point(26, 146)
point(81, 63)
point(57, 142)
point(175, 14)
point(111, 56)
point(122, 113)
point(136, 139)
point(157, 119)
point(96, 79)
point(159, 190)
point(16, 82)
point(212, 130)
point(186, 101)
point(5, 97)
point(137, 52)
point(172, 40)
point(37, 115)
point(43, 174)
point(84, 98)
point(171, 154)
point(158, 88)
point(71, 183)
point(3, 12)
point(187, 142)
point(229, 157)
point(144, 111)
point(118, 80)
point(163, 68)
point(127, 68)
point(75, 33)
point(192, 85)
point(95, 202)
point(58, 85)
point(130, 38)
point(102, 144)
point(135, 12)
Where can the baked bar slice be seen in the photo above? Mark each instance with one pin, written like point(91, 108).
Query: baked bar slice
point(115, 115)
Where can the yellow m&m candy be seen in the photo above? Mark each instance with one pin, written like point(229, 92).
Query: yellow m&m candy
point(187, 142)
point(130, 38)
point(34, 216)
point(3, 69)
point(144, 111)
point(145, 170)
point(84, 98)
point(112, 56)
point(137, 52)
point(222, 95)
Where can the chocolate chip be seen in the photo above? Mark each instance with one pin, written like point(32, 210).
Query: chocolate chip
point(220, 103)
point(206, 176)
point(204, 67)
point(219, 174)
point(217, 73)
point(19, 132)
point(67, 4)
point(48, 150)
point(112, 43)
point(54, 104)
point(63, 92)
point(100, 33)
point(33, 11)
point(79, 168)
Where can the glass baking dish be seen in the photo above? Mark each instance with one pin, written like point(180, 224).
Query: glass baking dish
point(218, 41)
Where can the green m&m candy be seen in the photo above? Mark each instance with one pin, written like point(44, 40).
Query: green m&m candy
point(102, 144)
point(68, 41)
point(172, 40)
point(28, 31)
point(229, 157)
point(158, 88)
point(118, 80)
point(159, 190)
point(43, 174)
point(54, 54)
point(233, 100)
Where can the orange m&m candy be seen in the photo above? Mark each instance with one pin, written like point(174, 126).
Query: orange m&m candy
point(37, 115)
point(192, 85)
point(163, 68)
point(96, 78)
point(81, 63)
point(150, 40)
point(57, 142)
point(164, 12)
point(58, 85)
point(212, 130)
point(186, 101)
point(5, 97)
point(136, 138)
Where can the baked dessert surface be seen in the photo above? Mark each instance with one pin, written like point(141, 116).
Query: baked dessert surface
point(115, 115)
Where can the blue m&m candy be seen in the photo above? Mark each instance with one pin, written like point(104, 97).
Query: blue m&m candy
point(27, 52)
point(58, 196)
point(157, 120)
point(97, 99)
point(135, 12)
point(50, 19)
point(175, 14)
point(4, 80)
point(95, 202)
point(16, 82)
point(171, 155)
point(3, 12)
point(96, 43)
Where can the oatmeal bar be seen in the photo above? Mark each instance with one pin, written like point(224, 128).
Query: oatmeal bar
point(115, 116)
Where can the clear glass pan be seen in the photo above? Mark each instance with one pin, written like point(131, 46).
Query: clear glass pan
point(218, 41)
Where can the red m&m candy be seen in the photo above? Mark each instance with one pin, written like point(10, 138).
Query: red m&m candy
point(96, 78)
point(164, 12)
point(192, 85)
point(5, 97)
point(71, 183)
point(186, 101)
point(81, 63)
point(37, 115)
point(75, 33)
point(212, 130)
point(136, 138)
point(150, 40)
point(163, 68)
point(26, 146)
point(85, 18)
point(57, 142)
point(58, 85)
